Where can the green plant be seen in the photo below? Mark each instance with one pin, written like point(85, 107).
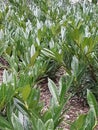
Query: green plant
point(80, 45)
point(36, 39)
point(20, 104)
point(24, 35)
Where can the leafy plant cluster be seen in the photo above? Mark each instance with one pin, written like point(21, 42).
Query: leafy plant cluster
point(42, 36)
point(21, 108)
point(37, 38)
point(80, 46)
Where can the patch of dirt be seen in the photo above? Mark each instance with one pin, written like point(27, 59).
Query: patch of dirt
point(3, 63)
point(75, 109)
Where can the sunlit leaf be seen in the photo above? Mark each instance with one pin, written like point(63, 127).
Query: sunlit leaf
point(25, 92)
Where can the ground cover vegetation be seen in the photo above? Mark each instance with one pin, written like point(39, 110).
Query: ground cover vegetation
point(36, 38)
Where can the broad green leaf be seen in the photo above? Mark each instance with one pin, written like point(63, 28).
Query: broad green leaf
point(49, 125)
point(2, 103)
point(40, 125)
point(56, 29)
point(92, 103)
point(75, 65)
point(57, 114)
point(47, 115)
point(48, 53)
point(10, 93)
point(4, 123)
point(53, 90)
point(64, 86)
point(39, 34)
point(33, 59)
point(16, 122)
point(8, 50)
point(21, 107)
point(1, 49)
point(77, 36)
point(79, 124)
point(9, 111)
point(88, 48)
point(90, 121)
point(25, 92)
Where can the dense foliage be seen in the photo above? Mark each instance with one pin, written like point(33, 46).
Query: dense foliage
point(36, 39)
